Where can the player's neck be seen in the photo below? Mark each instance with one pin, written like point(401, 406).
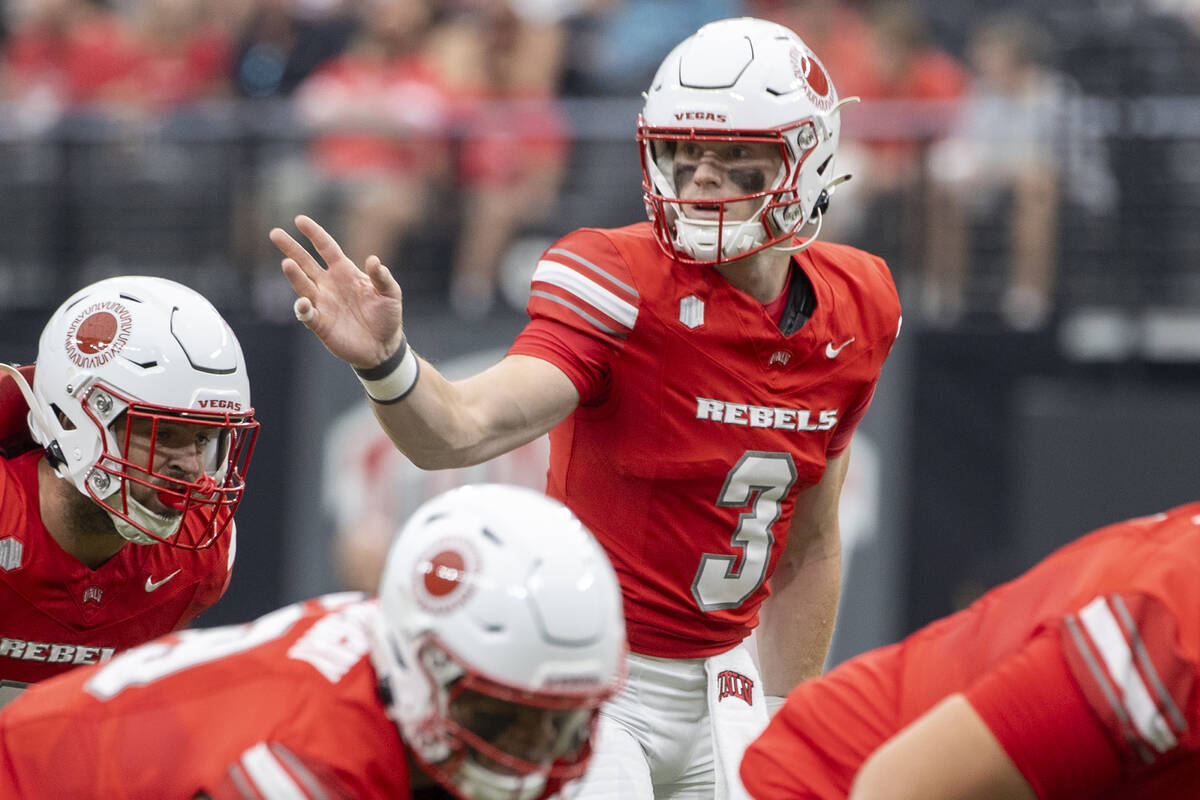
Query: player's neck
point(761, 275)
point(81, 528)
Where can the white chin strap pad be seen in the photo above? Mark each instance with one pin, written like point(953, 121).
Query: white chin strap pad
point(164, 527)
point(698, 238)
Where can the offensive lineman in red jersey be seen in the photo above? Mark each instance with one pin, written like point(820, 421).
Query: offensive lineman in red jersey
point(1076, 680)
point(700, 374)
point(496, 636)
point(137, 428)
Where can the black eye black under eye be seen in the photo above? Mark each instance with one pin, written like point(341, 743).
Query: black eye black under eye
point(748, 180)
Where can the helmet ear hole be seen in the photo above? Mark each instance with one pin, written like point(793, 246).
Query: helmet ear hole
point(65, 422)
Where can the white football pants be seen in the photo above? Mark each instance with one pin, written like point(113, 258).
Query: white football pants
point(655, 739)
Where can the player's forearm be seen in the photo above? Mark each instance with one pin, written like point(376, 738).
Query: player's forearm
point(433, 425)
point(796, 621)
point(949, 753)
point(442, 424)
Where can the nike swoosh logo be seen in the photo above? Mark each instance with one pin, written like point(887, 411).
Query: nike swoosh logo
point(832, 352)
point(152, 584)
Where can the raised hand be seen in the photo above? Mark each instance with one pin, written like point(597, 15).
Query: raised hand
point(356, 312)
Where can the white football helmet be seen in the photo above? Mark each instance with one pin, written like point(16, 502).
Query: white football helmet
point(500, 635)
point(741, 80)
point(116, 361)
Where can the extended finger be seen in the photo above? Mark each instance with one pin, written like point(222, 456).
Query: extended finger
point(301, 283)
point(296, 253)
point(381, 277)
point(325, 244)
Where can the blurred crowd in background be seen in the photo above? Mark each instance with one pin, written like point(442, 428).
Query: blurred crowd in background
point(1010, 159)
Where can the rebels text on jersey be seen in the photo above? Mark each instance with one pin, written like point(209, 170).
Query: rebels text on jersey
point(56, 613)
point(699, 420)
point(285, 706)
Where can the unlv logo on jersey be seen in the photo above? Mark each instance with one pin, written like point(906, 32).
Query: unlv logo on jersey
point(444, 576)
point(98, 333)
point(734, 684)
point(812, 74)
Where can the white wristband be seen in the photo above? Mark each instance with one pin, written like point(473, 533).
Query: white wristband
point(774, 703)
point(391, 381)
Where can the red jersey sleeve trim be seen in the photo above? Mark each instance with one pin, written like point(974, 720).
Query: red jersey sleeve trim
point(1038, 714)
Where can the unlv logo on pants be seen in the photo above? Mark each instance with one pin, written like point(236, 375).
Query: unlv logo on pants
point(734, 684)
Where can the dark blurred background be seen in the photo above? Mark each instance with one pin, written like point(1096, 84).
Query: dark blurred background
point(1031, 173)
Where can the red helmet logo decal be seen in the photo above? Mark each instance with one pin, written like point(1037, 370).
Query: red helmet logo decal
point(98, 333)
point(445, 575)
point(812, 74)
point(446, 571)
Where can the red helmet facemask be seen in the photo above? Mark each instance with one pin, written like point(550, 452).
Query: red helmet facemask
point(164, 468)
point(504, 738)
point(774, 221)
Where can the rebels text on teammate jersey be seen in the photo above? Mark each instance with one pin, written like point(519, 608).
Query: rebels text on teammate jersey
point(699, 420)
point(56, 613)
point(285, 706)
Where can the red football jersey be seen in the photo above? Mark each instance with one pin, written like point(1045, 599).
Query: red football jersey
point(284, 707)
point(56, 613)
point(1084, 668)
point(699, 421)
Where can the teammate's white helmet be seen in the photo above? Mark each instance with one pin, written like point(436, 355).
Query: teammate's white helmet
point(736, 80)
point(500, 635)
point(132, 353)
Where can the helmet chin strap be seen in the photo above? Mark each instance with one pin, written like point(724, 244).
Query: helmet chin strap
point(165, 527)
point(819, 211)
point(35, 408)
point(797, 248)
point(699, 237)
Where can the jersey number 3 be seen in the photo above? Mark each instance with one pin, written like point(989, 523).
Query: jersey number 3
point(760, 480)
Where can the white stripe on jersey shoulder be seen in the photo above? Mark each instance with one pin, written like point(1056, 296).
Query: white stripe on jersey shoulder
point(299, 771)
point(583, 285)
point(269, 777)
point(553, 298)
point(1110, 694)
point(586, 290)
point(1147, 663)
point(1105, 632)
point(558, 251)
point(241, 782)
point(232, 545)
